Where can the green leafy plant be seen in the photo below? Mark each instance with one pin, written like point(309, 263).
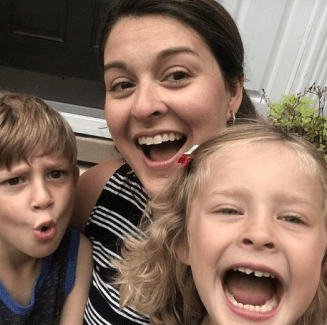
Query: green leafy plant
point(297, 114)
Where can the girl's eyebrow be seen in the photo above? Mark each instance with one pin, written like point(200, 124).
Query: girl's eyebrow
point(161, 56)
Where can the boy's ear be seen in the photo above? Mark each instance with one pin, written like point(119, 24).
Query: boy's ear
point(76, 175)
point(183, 253)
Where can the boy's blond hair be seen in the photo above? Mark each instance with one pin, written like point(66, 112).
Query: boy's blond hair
point(153, 279)
point(28, 127)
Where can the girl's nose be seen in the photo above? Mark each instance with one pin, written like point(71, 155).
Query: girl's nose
point(258, 235)
point(148, 102)
point(41, 197)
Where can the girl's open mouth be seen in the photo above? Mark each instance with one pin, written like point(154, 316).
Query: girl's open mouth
point(161, 147)
point(252, 294)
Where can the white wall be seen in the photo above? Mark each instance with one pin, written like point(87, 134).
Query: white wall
point(285, 43)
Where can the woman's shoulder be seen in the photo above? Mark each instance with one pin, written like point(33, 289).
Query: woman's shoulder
point(89, 188)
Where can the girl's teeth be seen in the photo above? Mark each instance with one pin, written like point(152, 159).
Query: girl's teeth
point(269, 305)
point(259, 274)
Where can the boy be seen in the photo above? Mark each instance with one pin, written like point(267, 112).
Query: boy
point(44, 278)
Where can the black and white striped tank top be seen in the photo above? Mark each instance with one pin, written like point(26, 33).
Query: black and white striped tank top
point(117, 213)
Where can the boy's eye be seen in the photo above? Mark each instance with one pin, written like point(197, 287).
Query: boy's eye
point(14, 181)
point(56, 174)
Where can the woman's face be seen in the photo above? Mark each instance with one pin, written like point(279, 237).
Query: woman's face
point(164, 93)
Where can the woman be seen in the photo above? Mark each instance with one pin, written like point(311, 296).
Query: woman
point(173, 72)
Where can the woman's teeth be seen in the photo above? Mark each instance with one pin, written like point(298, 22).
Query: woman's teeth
point(159, 138)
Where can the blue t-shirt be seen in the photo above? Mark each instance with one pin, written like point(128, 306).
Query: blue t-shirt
point(53, 284)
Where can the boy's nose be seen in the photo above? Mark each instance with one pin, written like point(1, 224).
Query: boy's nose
point(41, 197)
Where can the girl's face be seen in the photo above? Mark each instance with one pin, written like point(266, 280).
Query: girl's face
point(165, 93)
point(257, 236)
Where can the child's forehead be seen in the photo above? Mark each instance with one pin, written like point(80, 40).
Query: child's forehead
point(243, 154)
point(271, 170)
point(250, 148)
point(51, 158)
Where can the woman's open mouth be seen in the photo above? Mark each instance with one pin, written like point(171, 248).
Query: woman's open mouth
point(161, 147)
point(255, 294)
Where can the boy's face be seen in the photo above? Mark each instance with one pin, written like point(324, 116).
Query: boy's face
point(258, 215)
point(36, 202)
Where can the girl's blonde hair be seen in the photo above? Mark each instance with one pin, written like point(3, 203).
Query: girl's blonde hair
point(152, 278)
point(28, 126)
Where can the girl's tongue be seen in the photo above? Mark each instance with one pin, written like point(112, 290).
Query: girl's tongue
point(249, 289)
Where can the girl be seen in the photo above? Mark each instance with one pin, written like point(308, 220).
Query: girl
point(173, 71)
point(239, 236)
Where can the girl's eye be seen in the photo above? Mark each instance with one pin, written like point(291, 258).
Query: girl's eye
point(293, 219)
point(229, 211)
point(178, 76)
point(120, 86)
point(14, 181)
point(56, 174)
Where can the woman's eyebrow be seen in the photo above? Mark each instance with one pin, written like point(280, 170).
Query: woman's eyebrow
point(115, 65)
point(161, 56)
point(174, 51)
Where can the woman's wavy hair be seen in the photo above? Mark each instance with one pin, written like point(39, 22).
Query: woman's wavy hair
point(209, 19)
point(29, 126)
point(152, 279)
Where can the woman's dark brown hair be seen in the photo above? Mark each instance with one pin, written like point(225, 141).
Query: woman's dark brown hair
point(209, 19)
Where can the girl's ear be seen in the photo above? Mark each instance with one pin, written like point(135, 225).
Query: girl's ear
point(183, 253)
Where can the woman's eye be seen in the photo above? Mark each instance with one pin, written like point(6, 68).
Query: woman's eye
point(120, 86)
point(177, 76)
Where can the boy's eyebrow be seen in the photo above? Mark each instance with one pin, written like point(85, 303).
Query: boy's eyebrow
point(161, 56)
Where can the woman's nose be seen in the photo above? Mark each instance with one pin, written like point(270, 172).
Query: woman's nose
point(148, 102)
point(41, 196)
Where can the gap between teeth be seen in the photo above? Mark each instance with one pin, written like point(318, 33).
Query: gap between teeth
point(159, 139)
point(258, 274)
point(269, 305)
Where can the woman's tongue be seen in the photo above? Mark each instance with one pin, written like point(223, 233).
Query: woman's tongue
point(163, 151)
point(249, 289)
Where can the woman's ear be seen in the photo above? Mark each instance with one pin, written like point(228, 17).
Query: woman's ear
point(183, 253)
point(236, 96)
